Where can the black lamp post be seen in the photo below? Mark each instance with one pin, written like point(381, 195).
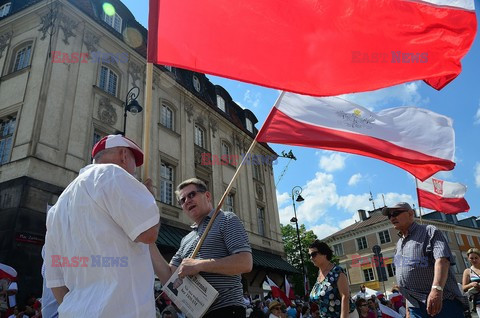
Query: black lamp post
point(296, 193)
point(131, 105)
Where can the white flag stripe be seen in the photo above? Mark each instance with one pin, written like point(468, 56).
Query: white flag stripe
point(443, 188)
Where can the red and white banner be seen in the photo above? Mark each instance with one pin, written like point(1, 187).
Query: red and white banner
point(319, 48)
point(277, 292)
point(407, 137)
point(388, 312)
point(289, 290)
point(442, 196)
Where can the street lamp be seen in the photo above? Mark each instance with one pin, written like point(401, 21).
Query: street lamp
point(296, 193)
point(131, 105)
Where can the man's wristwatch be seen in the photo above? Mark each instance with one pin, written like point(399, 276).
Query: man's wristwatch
point(439, 288)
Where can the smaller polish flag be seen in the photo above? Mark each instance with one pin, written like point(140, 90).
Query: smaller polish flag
point(7, 272)
point(288, 289)
point(388, 312)
point(442, 196)
point(277, 292)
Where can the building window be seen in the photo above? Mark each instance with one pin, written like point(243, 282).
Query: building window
point(221, 103)
point(249, 125)
point(384, 237)
point(108, 80)
point(391, 270)
point(7, 127)
point(229, 202)
point(113, 20)
point(22, 57)
point(257, 170)
point(368, 274)
point(168, 67)
point(459, 238)
point(455, 267)
point(447, 237)
point(5, 9)
point(362, 243)
point(166, 183)
point(261, 220)
point(470, 240)
point(166, 117)
point(338, 249)
point(226, 153)
point(199, 136)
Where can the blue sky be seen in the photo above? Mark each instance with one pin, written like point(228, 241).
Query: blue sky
point(335, 185)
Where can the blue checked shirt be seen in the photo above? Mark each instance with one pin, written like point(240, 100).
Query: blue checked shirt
point(414, 260)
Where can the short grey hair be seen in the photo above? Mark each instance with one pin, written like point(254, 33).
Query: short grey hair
point(104, 152)
point(201, 186)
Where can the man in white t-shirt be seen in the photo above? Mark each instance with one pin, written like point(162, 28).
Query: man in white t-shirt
point(97, 260)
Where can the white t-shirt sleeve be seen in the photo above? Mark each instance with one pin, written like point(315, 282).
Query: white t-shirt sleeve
point(53, 270)
point(129, 203)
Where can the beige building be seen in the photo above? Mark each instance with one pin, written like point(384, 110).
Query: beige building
point(66, 68)
point(354, 246)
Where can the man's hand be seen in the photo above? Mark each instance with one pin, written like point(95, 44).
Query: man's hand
point(190, 267)
point(149, 184)
point(434, 302)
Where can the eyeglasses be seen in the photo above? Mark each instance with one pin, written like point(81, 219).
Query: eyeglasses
point(396, 213)
point(189, 195)
point(313, 254)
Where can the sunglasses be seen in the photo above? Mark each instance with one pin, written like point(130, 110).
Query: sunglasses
point(396, 213)
point(189, 195)
point(313, 254)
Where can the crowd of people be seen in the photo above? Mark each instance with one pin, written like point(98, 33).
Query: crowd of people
point(107, 198)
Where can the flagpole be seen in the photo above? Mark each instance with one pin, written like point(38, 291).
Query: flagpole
point(418, 201)
point(229, 187)
point(147, 119)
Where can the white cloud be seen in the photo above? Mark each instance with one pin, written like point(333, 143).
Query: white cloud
point(282, 198)
point(476, 119)
point(354, 179)
point(324, 230)
point(477, 174)
point(332, 162)
point(251, 98)
point(400, 95)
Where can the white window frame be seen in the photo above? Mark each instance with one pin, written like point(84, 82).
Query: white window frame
point(7, 130)
point(447, 236)
point(221, 103)
point(167, 179)
point(470, 241)
point(5, 9)
point(358, 244)
point(230, 202)
point(391, 269)
point(338, 249)
point(108, 86)
point(257, 170)
point(261, 220)
point(22, 56)
point(167, 117)
point(199, 136)
point(371, 275)
point(459, 239)
point(380, 237)
point(114, 20)
point(249, 125)
point(226, 153)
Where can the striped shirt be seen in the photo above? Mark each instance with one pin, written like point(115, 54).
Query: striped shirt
point(415, 257)
point(226, 237)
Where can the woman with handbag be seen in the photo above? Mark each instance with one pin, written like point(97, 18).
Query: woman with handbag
point(330, 292)
point(471, 277)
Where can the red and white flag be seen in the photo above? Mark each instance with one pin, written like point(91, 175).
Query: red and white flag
point(277, 292)
point(388, 312)
point(442, 196)
point(289, 290)
point(319, 48)
point(7, 272)
point(307, 286)
point(407, 137)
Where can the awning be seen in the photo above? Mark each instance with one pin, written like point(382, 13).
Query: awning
point(169, 238)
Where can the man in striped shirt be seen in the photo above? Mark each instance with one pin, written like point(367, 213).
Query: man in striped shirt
point(422, 262)
point(224, 256)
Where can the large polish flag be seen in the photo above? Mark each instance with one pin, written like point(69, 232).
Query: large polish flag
point(315, 47)
point(442, 196)
point(277, 292)
point(414, 139)
point(388, 312)
point(289, 290)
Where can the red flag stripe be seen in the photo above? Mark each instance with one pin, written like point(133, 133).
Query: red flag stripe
point(429, 200)
point(318, 48)
point(303, 134)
